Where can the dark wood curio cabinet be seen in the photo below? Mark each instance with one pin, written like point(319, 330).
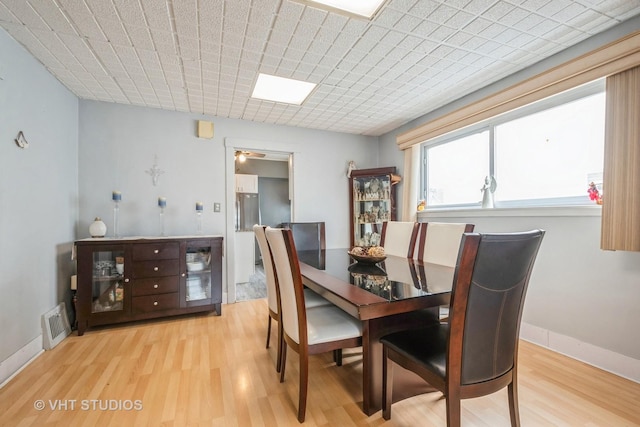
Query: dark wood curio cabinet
point(121, 280)
point(372, 200)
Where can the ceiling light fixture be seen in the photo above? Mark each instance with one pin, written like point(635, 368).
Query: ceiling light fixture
point(366, 8)
point(280, 89)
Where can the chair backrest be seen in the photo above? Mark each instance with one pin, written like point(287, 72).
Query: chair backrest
point(440, 242)
point(399, 238)
point(285, 259)
point(308, 236)
point(486, 303)
point(267, 262)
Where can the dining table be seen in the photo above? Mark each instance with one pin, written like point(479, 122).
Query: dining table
point(394, 294)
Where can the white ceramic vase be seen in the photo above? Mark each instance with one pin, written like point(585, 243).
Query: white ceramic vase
point(98, 228)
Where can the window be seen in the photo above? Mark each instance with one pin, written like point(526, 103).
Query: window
point(543, 154)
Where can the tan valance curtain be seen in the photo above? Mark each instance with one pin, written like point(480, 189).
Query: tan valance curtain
point(621, 181)
point(612, 58)
point(411, 183)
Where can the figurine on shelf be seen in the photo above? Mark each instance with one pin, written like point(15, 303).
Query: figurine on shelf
point(488, 189)
point(594, 193)
point(351, 167)
point(375, 213)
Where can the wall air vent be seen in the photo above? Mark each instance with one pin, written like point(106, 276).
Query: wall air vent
point(55, 326)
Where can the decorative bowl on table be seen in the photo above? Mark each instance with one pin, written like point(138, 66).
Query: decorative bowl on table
point(368, 255)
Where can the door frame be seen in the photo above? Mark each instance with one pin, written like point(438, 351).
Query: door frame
point(231, 145)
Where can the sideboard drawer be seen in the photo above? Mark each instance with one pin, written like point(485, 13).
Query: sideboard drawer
point(151, 303)
point(165, 267)
point(160, 285)
point(150, 251)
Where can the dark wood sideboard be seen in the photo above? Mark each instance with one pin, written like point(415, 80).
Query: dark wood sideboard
point(122, 280)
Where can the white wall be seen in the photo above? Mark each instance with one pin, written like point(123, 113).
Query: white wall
point(38, 200)
point(118, 144)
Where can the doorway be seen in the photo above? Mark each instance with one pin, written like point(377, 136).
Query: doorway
point(271, 171)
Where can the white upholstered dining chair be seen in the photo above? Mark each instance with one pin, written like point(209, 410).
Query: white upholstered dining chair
point(399, 238)
point(440, 242)
point(311, 298)
point(306, 330)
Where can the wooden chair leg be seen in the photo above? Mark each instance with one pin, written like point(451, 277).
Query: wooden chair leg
point(268, 331)
point(337, 356)
point(514, 410)
point(283, 363)
point(304, 381)
point(453, 409)
point(280, 346)
point(387, 384)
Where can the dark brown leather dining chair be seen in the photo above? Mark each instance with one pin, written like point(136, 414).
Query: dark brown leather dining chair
point(476, 352)
point(308, 236)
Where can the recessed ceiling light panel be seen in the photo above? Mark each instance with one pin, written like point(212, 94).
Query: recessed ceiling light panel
point(366, 8)
point(280, 89)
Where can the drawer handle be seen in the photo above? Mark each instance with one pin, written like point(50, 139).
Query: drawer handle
point(126, 280)
point(157, 251)
point(155, 286)
point(155, 268)
point(155, 303)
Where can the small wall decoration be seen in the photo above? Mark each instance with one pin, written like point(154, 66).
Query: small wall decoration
point(21, 141)
point(155, 171)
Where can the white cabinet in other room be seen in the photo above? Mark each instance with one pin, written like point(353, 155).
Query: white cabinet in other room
point(246, 183)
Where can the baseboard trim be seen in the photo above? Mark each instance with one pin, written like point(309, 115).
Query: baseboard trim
point(19, 360)
point(601, 358)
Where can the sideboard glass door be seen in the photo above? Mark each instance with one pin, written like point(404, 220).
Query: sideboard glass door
point(108, 290)
point(197, 279)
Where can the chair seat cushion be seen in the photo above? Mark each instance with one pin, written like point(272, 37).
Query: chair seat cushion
point(329, 323)
point(426, 346)
point(312, 299)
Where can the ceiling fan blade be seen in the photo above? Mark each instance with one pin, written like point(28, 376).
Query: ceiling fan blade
point(251, 154)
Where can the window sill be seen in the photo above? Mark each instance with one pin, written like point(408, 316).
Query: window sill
point(551, 211)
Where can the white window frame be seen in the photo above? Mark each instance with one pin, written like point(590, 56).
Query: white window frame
point(592, 88)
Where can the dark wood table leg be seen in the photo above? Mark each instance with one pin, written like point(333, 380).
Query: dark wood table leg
point(405, 383)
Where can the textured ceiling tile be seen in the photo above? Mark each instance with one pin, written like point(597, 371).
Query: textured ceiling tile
point(374, 75)
point(102, 9)
point(140, 37)
point(496, 32)
point(442, 33)
point(388, 18)
point(114, 31)
point(571, 11)
point(553, 7)
point(53, 16)
point(623, 9)
point(534, 5)
point(157, 15)
point(514, 17)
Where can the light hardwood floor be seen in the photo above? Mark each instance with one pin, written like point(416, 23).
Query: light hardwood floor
point(215, 371)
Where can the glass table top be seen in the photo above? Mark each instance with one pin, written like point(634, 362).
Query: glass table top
point(393, 279)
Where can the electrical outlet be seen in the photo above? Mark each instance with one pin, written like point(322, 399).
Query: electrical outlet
point(216, 207)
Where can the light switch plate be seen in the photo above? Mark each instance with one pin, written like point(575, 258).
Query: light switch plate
point(216, 207)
